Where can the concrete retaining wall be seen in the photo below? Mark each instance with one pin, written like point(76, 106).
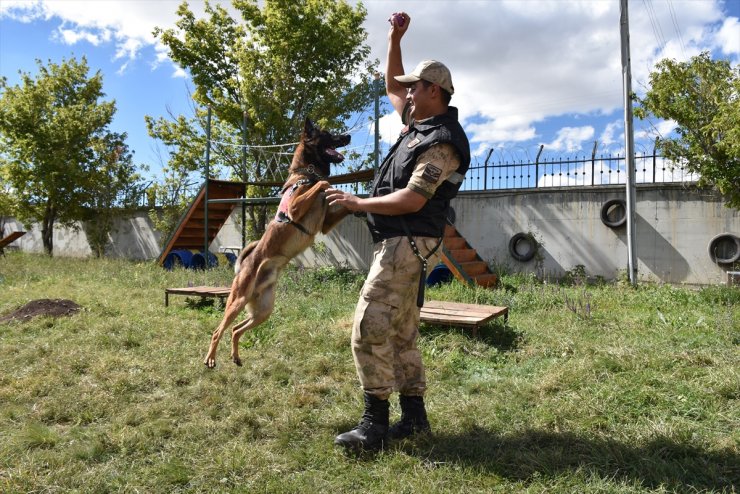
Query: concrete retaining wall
point(674, 226)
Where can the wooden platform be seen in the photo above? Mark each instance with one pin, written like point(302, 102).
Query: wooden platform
point(469, 316)
point(221, 292)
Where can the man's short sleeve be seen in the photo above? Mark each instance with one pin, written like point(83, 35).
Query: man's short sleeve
point(434, 166)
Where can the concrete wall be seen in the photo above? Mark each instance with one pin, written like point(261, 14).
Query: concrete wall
point(133, 238)
point(675, 224)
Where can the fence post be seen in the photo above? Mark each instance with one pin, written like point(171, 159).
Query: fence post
point(485, 170)
point(537, 166)
point(593, 163)
point(655, 150)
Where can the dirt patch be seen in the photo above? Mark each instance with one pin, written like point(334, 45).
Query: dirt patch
point(42, 307)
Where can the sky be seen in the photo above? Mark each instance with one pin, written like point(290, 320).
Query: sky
point(526, 72)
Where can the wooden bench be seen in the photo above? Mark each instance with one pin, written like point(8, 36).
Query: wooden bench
point(470, 316)
point(198, 291)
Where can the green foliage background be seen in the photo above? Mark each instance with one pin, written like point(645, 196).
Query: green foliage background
point(703, 97)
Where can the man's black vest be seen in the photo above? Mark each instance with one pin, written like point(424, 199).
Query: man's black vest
point(398, 166)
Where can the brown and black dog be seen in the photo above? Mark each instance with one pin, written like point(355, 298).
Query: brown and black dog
point(303, 213)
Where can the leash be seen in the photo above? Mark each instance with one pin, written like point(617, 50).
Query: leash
point(422, 260)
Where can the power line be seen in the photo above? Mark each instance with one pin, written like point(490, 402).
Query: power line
point(655, 24)
point(674, 19)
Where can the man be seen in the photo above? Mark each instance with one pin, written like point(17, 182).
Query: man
point(406, 211)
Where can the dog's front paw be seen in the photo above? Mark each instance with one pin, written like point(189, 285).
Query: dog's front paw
point(237, 361)
point(210, 362)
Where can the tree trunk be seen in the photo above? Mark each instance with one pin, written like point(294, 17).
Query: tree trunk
point(257, 219)
point(262, 224)
point(47, 229)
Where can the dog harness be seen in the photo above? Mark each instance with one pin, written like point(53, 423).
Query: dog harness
point(282, 215)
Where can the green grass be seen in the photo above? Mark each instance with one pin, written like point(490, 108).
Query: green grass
point(603, 388)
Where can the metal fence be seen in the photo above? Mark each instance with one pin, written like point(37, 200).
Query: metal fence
point(569, 172)
point(573, 172)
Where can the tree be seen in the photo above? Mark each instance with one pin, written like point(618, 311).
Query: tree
point(57, 153)
point(110, 174)
point(185, 141)
point(7, 200)
point(703, 97)
point(280, 63)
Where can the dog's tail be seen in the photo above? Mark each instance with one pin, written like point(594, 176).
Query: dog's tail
point(243, 255)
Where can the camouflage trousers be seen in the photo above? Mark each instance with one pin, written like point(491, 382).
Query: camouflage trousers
point(386, 323)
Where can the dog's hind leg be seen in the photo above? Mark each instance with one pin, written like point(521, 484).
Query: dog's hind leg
point(233, 308)
point(259, 311)
point(259, 308)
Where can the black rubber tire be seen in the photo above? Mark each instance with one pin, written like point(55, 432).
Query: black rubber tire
point(714, 244)
point(605, 213)
point(514, 244)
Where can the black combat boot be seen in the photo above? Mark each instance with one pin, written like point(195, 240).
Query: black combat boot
point(413, 419)
point(372, 430)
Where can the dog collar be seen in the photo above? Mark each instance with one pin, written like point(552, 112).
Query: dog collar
point(310, 170)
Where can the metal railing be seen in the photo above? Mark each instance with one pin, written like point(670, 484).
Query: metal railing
point(559, 172)
point(573, 172)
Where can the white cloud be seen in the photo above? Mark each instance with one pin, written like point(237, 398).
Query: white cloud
point(481, 151)
point(540, 59)
point(500, 130)
point(728, 36)
point(569, 139)
point(22, 10)
point(390, 127)
point(661, 128)
point(515, 64)
point(128, 48)
point(70, 37)
point(607, 137)
point(180, 73)
point(129, 24)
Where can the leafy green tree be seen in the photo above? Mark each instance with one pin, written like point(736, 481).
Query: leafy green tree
point(703, 97)
point(185, 141)
point(109, 176)
point(282, 61)
point(59, 159)
point(8, 203)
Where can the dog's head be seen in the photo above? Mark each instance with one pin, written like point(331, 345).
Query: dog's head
point(319, 147)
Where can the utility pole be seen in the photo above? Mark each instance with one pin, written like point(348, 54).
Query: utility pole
point(629, 141)
point(376, 90)
point(205, 192)
point(245, 177)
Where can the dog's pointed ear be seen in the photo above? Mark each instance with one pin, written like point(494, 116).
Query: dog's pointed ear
point(308, 127)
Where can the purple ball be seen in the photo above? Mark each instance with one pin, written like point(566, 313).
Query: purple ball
point(400, 19)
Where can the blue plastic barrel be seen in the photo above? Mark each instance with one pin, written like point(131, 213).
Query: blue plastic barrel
point(440, 274)
point(231, 257)
point(199, 261)
point(181, 258)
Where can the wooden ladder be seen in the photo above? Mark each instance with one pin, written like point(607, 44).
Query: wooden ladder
point(190, 231)
point(463, 260)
